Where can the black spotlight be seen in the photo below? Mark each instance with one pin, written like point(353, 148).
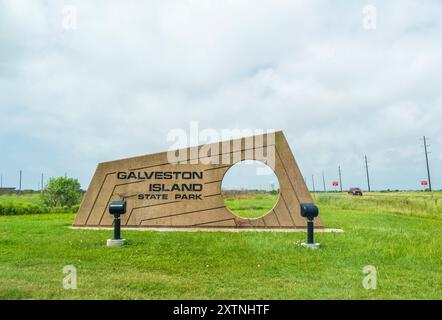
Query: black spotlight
point(117, 208)
point(310, 211)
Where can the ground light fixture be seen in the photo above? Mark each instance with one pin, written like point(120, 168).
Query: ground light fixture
point(310, 211)
point(117, 208)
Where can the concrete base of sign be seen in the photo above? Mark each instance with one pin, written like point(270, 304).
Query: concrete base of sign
point(311, 245)
point(190, 229)
point(115, 243)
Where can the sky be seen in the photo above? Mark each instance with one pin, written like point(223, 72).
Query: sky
point(82, 82)
point(250, 175)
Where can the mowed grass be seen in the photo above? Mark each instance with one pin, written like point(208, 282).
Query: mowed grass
point(406, 250)
point(251, 205)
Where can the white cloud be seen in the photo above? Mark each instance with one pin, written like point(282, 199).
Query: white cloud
point(134, 70)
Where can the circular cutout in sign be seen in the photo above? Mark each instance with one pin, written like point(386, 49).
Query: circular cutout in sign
point(250, 189)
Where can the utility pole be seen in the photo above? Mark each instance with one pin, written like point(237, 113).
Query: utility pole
point(323, 181)
point(1, 181)
point(19, 188)
point(428, 166)
point(42, 178)
point(313, 182)
point(368, 175)
point(340, 177)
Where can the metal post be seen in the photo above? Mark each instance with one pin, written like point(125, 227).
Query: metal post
point(340, 177)
point(117, 227)
point(428, 166)
point(323, 181)
point(19, 188)
point(310, 231)
point(368, 175)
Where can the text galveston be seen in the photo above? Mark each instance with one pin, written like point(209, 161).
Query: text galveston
point(160, 175)
point(160, 191)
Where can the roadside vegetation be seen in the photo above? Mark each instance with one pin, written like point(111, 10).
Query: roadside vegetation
point(418, 204)
point(61, 195)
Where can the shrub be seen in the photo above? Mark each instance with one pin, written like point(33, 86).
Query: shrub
point(62, 192)
point(10, 208)
point(13, 208)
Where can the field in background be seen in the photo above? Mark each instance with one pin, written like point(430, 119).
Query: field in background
point(33, 198)
point(250, 205)
point(28, 203)
point(419, 204)
point(389, 231)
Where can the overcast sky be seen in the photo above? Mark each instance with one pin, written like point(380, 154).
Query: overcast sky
point(112, 81)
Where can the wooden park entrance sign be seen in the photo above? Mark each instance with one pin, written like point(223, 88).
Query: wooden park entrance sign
point(186, 192)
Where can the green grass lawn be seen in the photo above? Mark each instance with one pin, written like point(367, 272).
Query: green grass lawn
point(405, 249)
point(251, 206)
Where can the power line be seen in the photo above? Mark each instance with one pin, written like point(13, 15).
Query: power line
point(368, 175)
point(426, 160)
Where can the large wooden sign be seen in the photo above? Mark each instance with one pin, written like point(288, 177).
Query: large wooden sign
point(186, 192)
